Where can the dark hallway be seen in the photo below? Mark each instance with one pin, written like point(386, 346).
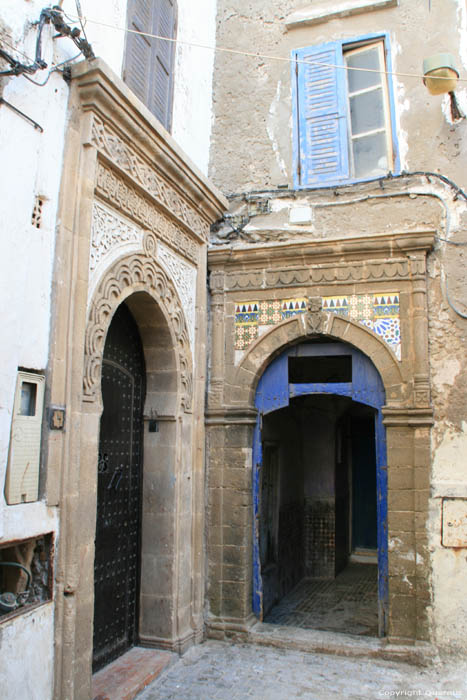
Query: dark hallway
point(318, 516)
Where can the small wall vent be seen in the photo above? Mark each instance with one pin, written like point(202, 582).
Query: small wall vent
point(36, 218)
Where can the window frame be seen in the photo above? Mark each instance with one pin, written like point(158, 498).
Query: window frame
point(154, 48)
point(341, 46)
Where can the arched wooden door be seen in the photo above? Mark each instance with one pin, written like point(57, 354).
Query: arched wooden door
point(117, 544)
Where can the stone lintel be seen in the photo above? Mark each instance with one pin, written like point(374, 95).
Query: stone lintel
point(384, 245)
point(320, 12)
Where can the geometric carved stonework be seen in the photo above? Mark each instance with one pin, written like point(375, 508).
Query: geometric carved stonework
point(184, 278)
point(108, 142)
point(332, 273)
point(122, 195)
point(109, 232)
point(112, 236)
point(140, 271)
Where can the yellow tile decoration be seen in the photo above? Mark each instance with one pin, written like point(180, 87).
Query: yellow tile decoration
point(379, 312)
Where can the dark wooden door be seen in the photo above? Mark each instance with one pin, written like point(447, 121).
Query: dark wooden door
point(116, 567)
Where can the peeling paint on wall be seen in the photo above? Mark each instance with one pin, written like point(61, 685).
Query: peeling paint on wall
point(272, 125)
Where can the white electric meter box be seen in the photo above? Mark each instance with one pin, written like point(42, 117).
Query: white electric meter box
point(22, 477)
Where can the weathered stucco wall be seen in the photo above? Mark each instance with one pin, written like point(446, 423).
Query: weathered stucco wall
point(252, 151)
point(253, 95)
point(28, 675)
point(32, 159)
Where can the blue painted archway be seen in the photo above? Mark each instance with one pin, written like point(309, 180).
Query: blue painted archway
point(274, 391)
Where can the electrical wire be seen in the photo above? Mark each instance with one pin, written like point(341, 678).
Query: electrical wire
point(55, 17)
point(252, 54)
point(14, 48)
point(80, 16)
point(55, 69)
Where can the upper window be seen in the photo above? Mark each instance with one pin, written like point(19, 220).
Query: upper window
point(149, 62)
point(342, 100)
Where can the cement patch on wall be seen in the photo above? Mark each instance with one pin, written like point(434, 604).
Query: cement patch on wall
point(26, 653)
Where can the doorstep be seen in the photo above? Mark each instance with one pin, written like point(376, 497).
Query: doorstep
point(128, 675)
point(340, 644)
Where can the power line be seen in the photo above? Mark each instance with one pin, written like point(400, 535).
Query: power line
point(252, 54)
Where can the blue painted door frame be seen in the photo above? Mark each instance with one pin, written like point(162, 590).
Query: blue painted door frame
point(274, 391)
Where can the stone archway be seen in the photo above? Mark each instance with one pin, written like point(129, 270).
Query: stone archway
point(154, 303)
point(408, 462)
point(319, 322)
point(135, 273)
point(133, 219)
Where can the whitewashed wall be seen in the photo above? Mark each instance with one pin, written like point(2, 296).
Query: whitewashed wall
point(31, 163)
point(192, 107)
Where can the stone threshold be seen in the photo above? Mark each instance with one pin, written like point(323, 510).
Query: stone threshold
point(128, 675)
point(317, 641)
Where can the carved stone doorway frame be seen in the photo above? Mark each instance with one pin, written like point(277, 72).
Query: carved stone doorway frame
point(254, 285)
point(134, 217)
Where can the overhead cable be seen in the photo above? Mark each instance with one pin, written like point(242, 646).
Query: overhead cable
point(257, 54)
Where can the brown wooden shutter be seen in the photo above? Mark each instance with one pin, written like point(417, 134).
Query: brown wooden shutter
point(160, 98)
point(138, 48)
point(149, 62)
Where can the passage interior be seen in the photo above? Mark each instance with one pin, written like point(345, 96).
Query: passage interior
point(318, 512)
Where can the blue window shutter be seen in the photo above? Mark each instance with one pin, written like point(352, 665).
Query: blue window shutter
point(320, 117)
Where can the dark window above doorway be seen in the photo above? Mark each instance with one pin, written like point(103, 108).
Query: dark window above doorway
point(320, 370)
point(149, 61)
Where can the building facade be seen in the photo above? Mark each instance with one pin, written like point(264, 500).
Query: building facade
point(176, 455)
point(344, 239)
point(105, 229)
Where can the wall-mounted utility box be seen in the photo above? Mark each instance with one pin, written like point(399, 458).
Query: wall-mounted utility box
point(22, 477)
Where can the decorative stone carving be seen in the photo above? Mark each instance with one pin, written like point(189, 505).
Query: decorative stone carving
point(244, 280)
point(315, 317)
point(122, 154)
point(139, 272)
point(216, 281)
point(368, 270)
point(111, 237)
point(286, 278)
point(365, 271)
point(232, 236)
point(109, 231)
point(122, 195)
point(184, 278)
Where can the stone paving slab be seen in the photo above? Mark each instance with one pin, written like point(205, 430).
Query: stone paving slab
point(221, 671)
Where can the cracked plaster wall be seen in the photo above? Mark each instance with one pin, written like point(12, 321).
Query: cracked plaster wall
point(251, 150)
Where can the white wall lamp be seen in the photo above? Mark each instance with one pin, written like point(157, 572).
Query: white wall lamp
point(440, 77)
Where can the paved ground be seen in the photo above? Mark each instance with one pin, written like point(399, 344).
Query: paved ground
point(219, 671)
point(347, 603)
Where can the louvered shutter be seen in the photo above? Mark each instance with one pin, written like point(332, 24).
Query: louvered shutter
point(320, 115)
point(138, 48)
point(149, 61)
point(160, 96)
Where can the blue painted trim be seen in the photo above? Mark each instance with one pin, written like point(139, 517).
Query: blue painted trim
point(396, 170)
point(295, 121)
point(382, 519)
point(392, 106)
point(274, 392)
point(257, 463)
point(339, 389)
